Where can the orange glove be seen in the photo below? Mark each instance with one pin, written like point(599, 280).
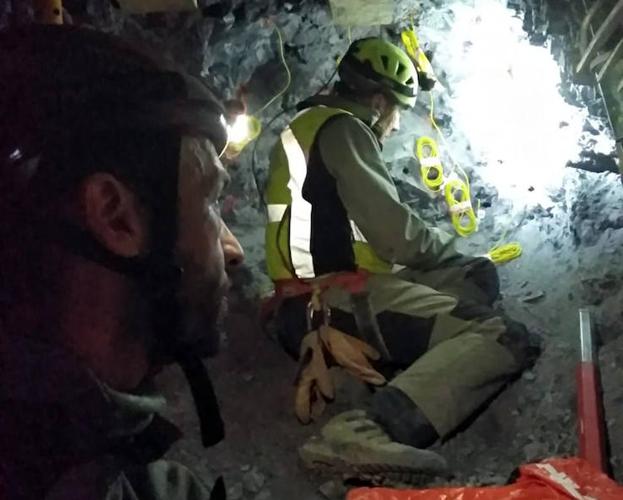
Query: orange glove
point(314, 385)
point(352, 354)
point(313, 382)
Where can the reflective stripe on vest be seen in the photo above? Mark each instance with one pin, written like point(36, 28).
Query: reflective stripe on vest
point(357, 234)
point(276, 211)
point(300, 210)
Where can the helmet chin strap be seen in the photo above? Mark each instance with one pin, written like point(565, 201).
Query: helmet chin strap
point(206, 403)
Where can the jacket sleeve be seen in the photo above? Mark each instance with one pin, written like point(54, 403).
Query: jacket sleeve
point(107, 480)
point(352, 155)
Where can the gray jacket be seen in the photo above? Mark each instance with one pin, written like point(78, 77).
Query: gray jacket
point(352, 155)
point(65, 435)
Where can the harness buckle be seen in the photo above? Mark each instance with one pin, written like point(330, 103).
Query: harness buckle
point(318, 313)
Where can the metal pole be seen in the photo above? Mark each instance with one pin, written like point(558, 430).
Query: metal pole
point(48, 11)
point(586, 336)
point(590, 414)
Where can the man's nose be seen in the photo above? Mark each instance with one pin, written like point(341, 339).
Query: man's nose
point(233, 252)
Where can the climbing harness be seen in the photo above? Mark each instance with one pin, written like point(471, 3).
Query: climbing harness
point(352, 282)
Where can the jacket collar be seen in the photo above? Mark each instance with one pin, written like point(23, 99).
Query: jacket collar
point(56, 391)
point(364, 113)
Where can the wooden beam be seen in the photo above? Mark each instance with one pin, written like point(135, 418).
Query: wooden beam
point(615, 55)
point(603, 33)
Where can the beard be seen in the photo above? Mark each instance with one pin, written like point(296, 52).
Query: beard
point(200, 305)
point(202, 317)
point(384, 126)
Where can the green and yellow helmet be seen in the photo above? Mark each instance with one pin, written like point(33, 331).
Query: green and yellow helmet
point(374, 64)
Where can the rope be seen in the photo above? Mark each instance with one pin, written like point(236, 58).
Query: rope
point(457, 193)
point(462, 213)
point(456, 190)
point(430, 164)
point(501, 254)
point(286, 67)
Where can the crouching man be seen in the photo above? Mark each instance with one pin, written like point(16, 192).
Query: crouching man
point(336, 231)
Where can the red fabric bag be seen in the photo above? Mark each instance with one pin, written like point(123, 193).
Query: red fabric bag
point(553, 479)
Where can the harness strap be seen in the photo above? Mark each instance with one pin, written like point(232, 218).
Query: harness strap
point(355, 285)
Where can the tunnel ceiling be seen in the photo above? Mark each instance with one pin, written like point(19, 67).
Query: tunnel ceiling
point(556, 22)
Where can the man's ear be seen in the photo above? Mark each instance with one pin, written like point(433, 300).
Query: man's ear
point(112, 213)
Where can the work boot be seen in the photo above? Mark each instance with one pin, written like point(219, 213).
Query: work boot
point(351, 443)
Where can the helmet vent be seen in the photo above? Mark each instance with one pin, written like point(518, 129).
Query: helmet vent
point(374, 63)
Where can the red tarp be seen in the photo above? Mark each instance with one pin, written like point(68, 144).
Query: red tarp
point(554, 479)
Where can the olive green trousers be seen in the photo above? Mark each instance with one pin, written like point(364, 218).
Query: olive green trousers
point(455, 351)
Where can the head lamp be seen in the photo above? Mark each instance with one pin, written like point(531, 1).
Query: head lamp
point(242, 129)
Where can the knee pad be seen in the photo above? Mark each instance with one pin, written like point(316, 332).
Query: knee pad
point(523, 345)
point(484, 275)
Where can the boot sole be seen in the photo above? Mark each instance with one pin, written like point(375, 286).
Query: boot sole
point(322, 459)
